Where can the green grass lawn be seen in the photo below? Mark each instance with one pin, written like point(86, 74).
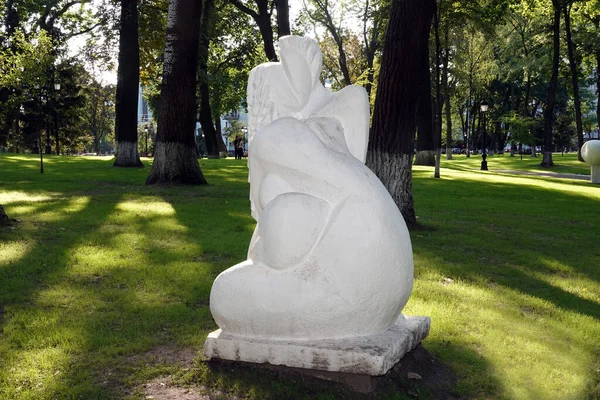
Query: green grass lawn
point(566, 163)
point(104, 274)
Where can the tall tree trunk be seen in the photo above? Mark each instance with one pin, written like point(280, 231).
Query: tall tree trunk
point(283, 18)
point(371, 46)
point(263, 21)
point(468, 118)
point(437, 130)
point(598, 89)
point(220, 143)
point(425, 119)
point(206, 119)
point(128, 79)
point(394, 118)
point(551, 99)
point(574, 80)
point(446, 88)
point(175, 159)
point(425, 146)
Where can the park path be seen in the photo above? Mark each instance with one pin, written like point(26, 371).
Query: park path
point(548, 174)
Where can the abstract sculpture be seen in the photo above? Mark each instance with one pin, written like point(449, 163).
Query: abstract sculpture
point(590, 151)
point(330, 260)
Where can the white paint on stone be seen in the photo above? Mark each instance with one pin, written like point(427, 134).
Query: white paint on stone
point(591, 155)
point(330, 260)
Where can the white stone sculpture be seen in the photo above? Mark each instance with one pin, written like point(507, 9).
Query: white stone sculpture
point(330, 259)
point(591, 155)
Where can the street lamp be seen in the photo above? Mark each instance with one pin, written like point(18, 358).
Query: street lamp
point(146, 131)
point(484, 107)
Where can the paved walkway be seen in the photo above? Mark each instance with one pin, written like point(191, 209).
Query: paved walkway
point(548, 174)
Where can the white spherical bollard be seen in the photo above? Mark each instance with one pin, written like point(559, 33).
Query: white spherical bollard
point(591, 154)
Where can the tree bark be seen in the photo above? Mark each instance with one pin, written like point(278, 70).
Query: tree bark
point(371, 46)
point(551, 98)
point(128, 79)
point(446, 89)
point(425, 120)
point(175, 159)
point(206, 120)
point(437, 130)
point(394, 118)
point(283, 18)
point(262, 17)
point(574, 80)
point(4, 219)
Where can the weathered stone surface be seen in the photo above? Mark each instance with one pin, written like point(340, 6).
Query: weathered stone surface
point(331, 255)
point(371, 355)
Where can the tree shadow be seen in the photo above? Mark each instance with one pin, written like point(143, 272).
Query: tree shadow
point(518, 260)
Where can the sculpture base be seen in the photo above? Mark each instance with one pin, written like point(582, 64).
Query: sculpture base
point(371, 355)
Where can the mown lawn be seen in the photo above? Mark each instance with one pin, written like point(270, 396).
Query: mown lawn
point(103, 270)
point(566, 163)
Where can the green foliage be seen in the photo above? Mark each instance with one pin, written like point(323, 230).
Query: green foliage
point(236, 130)
point(520, 129)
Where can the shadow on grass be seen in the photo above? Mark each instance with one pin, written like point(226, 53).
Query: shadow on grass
point(502, 224)
point(243, 379)
point(129, 271)
point(518, 262)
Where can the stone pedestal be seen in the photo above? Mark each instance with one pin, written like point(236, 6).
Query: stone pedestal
point(371, 355)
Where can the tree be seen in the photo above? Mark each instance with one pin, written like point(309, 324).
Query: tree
point(394, 118)
point(175, 159)
point(283, 18)
point(99, 117)
point(262, 16)
point(551, 98)
point(128, 80)
point(213, 142)
point(574, 78)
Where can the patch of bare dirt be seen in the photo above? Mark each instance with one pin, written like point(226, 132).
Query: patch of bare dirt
point(419, 371)
point(166, 354)
point(163, 389)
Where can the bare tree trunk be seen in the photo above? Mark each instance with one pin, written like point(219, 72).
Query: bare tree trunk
point(425, 117)
point(262, 17)
point(206, 118)
point(437, 130)
point(175, 159)
point(598, 89)
point(549, 111)
point(446, 88)
point(128, 79)
point(4, 219)
point(394, 117)
point(574, 80)
point(283, 18)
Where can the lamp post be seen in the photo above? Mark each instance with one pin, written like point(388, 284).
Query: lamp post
point(484, 107)
point(146, 131)
point(56, 87)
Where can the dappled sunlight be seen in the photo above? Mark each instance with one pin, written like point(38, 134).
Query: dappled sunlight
point(13, 196)
point(13, 251)
point(576, 284)
point(513, 331)
point(144, 207)
point(546, 183)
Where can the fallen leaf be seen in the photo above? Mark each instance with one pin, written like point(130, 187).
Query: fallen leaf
point(414, 375)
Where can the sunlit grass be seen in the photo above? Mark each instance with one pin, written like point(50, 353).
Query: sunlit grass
point(564, 163)
point(103, 269)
